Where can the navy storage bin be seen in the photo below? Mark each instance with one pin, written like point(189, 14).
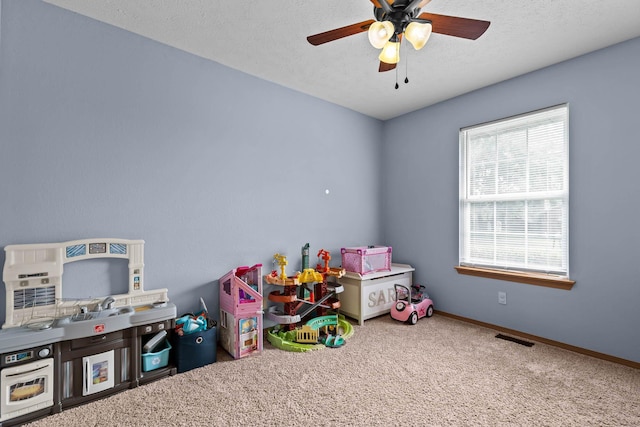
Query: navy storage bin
point(195, 349)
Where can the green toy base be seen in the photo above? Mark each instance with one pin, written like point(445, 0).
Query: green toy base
point(285, 340)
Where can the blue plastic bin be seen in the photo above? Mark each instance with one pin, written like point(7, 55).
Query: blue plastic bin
point(157, 359)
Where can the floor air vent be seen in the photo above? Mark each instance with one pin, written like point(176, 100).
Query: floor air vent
point(516, 340)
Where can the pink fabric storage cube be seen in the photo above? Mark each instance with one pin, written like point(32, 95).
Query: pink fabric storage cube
point(366, 259)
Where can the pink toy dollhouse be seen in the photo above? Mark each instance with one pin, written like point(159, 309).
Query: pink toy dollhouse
point(241, 299)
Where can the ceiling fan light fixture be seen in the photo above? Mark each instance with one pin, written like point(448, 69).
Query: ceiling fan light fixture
point(380, 32)
point(418, 34)
point(390, 53)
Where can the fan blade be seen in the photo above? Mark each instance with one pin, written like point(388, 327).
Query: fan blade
point(338, 33)
point(377, 4)
point(386, 67)
point(413, 4)
point(456, 26)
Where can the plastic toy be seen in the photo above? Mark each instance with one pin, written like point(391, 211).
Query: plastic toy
point(190, 323)
point(282, 262)
point(241, 311)
point(326, 257)
point(309, 332)
point(411, 304)
point(333, 341)
point(301, 297)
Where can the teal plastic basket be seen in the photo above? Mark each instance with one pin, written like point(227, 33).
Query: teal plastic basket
point(158, 359)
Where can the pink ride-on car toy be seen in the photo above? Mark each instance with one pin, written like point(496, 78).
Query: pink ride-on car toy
point(411, 306)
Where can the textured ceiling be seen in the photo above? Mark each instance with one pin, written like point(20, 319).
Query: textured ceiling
point(267, 39)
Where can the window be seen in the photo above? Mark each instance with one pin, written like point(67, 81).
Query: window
point(514, 194)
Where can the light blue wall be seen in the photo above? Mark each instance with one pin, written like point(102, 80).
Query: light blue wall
point(107, 134)
point(420, 191)
point(104, 133)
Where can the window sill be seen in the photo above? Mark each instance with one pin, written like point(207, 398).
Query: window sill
point(537, 279)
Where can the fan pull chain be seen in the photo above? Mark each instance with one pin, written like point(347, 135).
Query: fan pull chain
point(406, 77)
point(397, 86)
point(397, 54)
point(406, 71)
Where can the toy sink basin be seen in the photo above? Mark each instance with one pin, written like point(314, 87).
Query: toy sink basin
point(95, 322)
point(109, 312)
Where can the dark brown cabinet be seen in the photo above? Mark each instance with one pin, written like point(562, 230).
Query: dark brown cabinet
point(94, 367)
point(139, 337)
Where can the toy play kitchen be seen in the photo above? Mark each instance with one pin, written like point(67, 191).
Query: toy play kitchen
point(57, 352)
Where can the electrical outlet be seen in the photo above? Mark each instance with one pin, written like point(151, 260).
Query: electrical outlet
point(502, 297)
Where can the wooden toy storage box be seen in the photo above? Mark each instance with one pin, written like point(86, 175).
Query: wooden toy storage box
point(370, 295)
point(241, 299)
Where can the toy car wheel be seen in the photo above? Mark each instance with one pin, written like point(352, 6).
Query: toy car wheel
point(413, 319)
point(430, 311)
point(399, 306)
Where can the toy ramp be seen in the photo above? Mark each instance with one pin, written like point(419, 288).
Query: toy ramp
point(286, 340)
point(332, 320)
point(281, 318)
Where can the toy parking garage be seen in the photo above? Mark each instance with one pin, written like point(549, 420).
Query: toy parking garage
point(307, 303)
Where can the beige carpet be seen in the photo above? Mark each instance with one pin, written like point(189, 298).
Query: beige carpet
point(440, 372)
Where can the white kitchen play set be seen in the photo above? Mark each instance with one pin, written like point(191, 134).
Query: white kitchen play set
point(57, 352)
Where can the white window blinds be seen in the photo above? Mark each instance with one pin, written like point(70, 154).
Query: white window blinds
point(514, 193)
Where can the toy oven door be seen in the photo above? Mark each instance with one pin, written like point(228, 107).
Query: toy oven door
point(98, 372)
point(26, 388)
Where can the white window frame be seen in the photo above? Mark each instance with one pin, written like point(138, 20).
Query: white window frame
point(467, 260)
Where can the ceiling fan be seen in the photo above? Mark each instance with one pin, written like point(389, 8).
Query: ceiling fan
point(397, 18)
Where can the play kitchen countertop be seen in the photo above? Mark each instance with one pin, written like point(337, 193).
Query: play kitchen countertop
point(42, 333)
point(153, 313)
